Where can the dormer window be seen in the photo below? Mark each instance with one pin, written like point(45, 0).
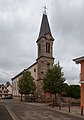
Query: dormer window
point(48, 47)
point(2, 88)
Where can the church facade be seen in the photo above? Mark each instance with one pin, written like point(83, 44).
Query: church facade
point(44, 60)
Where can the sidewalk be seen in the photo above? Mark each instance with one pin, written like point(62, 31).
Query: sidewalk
point(74, 110)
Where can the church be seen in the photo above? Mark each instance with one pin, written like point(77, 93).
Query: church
point(44, 59)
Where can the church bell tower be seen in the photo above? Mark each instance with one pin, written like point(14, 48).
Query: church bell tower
point(45, 58)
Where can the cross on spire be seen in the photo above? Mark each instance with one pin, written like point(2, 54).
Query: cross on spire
point(45, 8)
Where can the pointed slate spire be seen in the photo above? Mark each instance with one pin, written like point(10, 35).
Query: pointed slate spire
point(45, 28)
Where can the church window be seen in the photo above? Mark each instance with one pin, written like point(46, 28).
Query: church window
point(39, 49)
point(42, 61)
point(42, 72)
point(48, 47)
point(48, 64)
point(34, 70)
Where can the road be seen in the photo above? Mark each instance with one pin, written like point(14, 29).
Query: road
point(4, 114)
point(25, 111)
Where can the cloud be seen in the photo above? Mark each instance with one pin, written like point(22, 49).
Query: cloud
point(16, 33)
point(68, 26)
point(19, 28)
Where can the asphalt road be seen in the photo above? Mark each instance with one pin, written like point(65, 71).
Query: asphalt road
point(30, 112)
point(4, 114)
point(24, 111)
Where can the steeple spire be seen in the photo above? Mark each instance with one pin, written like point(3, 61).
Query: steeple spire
point(45, 27)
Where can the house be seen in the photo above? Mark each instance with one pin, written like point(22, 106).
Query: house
point(9, 87)
point(3, 90)
point(80, 61)
point(44, 60)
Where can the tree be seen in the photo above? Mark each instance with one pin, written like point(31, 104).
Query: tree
point(26, 84)
point(74, 91)
point(65, 89)
point(54, 80)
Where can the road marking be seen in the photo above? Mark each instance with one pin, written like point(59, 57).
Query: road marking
point(12, 114)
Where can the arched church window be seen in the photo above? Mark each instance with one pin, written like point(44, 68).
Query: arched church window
point(48, 47)
point(48, 64)
point(39, 49)
point(42, 72)
point(34, 69)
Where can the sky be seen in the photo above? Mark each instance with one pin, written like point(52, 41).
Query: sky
point(20, 22)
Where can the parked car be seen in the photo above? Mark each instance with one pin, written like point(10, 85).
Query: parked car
point(3, 96)
point(7, 97)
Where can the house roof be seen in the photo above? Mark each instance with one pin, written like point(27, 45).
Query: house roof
point(45, 27)
point(2, 85)
point(79, 60)
point(23, 71)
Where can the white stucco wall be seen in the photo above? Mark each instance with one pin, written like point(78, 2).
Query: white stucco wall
point(33, 70)
point(15, 89)
point(10, 89)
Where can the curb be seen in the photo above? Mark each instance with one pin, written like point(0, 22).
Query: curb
point(71, 114)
